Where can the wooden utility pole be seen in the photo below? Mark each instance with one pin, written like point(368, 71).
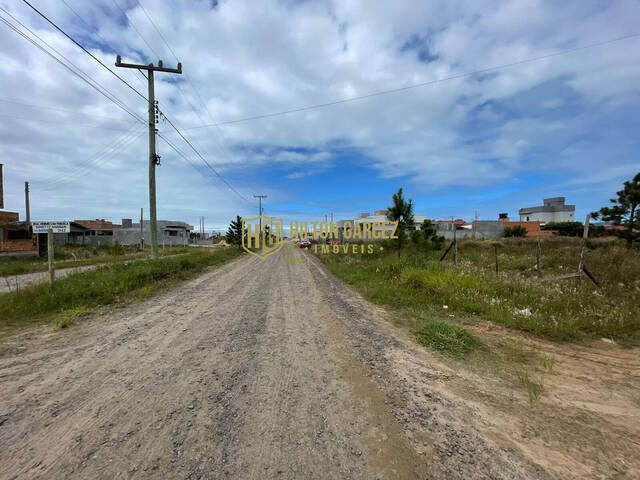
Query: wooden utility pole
point(455, 244)
point(154, 159)
point(141, 229)
point(538, 260)
point(260, 197)
point(52, 273)
point(27, 207)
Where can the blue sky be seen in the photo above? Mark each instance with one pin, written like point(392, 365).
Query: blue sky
point(560, 126)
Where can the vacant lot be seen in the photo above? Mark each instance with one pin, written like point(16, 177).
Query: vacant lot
point(421, 286)
point(557, 368)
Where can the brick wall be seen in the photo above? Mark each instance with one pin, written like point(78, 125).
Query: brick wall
point(533, 228)
point(6, 217)
point(18, 246)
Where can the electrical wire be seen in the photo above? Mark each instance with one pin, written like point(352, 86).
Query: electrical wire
point(422, 84)
point(73, 68)
point(205, 161)
point(189, 103)
point(98, 159)
point(85, 50)
point(44, 107)
point(135, 29)
point(58, 122)
point(97, 34)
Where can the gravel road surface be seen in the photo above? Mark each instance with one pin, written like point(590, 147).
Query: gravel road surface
point(258, 369)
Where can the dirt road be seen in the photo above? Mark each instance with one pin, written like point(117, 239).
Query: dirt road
point(258, 369)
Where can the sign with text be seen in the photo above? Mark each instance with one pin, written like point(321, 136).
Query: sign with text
point(57, 227)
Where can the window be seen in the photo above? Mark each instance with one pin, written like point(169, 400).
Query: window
point(173, 233)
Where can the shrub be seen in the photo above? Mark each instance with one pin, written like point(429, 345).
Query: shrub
point(515, 231)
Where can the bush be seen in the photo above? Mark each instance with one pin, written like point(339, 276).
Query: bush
point(515, 231)
point(117, 249)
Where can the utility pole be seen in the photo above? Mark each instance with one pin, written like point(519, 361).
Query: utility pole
point(260, 197)
point(141, 229)
point(154, 159)
point(26, 206)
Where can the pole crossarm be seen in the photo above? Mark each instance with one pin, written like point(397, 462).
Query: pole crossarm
point(151, 66)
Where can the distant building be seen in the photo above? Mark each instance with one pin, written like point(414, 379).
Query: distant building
point(15, 236)
point(552, 210)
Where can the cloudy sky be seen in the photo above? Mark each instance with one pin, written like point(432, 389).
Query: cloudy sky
point(562, 125)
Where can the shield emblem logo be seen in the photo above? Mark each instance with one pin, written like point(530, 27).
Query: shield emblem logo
point(262, 236)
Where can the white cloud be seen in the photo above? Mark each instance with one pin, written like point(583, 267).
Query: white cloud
point(248, 58)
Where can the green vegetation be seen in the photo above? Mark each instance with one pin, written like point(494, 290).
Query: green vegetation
point(234, 233)
point(625, 209)
point(73, 295)
point(402, 212)
point(80, 255)
point(446, 338)
point(515, 231)
point(419, 286)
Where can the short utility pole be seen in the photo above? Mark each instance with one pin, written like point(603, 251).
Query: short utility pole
point(260, 197)
point(27, 207)
point(154, 159)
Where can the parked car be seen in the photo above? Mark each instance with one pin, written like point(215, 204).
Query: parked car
point(305, 244)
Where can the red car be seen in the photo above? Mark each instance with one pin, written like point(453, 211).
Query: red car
point(305, 244)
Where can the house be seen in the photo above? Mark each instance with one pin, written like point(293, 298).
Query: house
point(15, 236)
point(552, 210)
point(170, 232)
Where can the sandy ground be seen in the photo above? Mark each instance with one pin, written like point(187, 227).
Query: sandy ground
point(257, 369)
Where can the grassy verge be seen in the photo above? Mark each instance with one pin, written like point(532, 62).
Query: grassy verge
point(440, 303)
point(422, 287)
point(75, 295)
point(77, 256)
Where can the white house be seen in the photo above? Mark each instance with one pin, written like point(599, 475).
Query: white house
point(552, 210)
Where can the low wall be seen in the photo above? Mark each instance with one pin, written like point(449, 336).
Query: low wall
point(19, 245)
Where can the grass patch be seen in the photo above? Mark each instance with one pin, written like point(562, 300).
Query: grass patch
point(77, 293)
point(66, 318)
point(419, 286)
point(453, 340)
point(80, 255)
point(533, 387)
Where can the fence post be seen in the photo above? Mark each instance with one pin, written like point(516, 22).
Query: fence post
point(455, 246)
point(538, 260)
point(585, 234)
point(50, 257)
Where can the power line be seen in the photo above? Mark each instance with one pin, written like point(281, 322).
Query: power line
point(157, 30)
point(187, 99)
point(97, 34)
point(85, 50)
point(44, 107)
point(99, 158)
point(205, 161)
point(134, 27)
point(58, 122)
point(75, 70)
point(422, 84)
point(125, 82)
